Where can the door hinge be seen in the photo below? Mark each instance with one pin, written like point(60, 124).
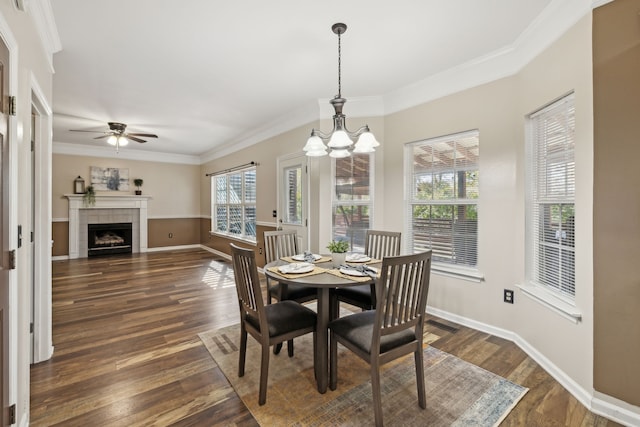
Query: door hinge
point(12, 105)
point(12, 259)
point(12, 414)
point(31, 328)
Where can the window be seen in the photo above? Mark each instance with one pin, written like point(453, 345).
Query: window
point(233, 204)
point(443, 197)
point(550, 197)
point(352, 203)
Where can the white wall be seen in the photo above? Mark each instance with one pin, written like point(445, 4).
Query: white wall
point(30, 66)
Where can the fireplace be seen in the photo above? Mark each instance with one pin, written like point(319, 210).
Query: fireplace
point(109, 239)
point(108, 209)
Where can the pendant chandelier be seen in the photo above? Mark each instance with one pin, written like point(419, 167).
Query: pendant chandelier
point(340, 141)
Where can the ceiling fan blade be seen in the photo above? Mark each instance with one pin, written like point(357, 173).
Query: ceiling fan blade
point(148, 135)
point(106, 135)
point(133, 138)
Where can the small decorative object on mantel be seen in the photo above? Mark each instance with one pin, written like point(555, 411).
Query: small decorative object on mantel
point(78, 185)
point(338, 249)
point(138, 183)
point(89, 198)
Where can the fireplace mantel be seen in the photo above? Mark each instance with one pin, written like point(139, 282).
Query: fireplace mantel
point(128, 201)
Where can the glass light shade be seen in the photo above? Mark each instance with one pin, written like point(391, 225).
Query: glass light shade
point(362, 148)
point(122, 141)
point(112, 140)
point(368, 139)
point(340, 139)
point(317, 153)
point(340, 153)
point(314, 143)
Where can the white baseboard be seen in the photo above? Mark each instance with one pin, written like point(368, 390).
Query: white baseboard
point(213, 251)
point(616, 410)
point(60, 258)
point(173, 248)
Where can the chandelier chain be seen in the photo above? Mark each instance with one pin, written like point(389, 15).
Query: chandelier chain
point(339, 66)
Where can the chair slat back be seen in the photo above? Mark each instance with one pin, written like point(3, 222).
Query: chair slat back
point(380, 244)
point(280, 243)
point(245, 272)
point(402, 293)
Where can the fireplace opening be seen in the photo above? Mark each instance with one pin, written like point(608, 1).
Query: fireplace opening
point(109, 239)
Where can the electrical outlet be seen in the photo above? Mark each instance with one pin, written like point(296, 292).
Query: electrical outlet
point(508, 296)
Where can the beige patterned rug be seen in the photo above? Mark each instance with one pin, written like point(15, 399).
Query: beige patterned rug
point(458, 393)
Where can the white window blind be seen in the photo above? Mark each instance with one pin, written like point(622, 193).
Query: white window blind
point(233, 203)
point(551, 196)
point(443, 191)
point(352, 203)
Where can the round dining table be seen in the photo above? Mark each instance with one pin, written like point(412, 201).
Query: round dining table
point(324, 282)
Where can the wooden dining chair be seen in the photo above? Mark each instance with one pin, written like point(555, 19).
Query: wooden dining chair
point(393, 329)
point(278, 244)
point(268, 324)
point(377, 245)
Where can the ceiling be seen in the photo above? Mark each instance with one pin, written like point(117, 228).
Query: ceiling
point(207, 75)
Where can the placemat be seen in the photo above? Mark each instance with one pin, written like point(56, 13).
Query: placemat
point(316, 270)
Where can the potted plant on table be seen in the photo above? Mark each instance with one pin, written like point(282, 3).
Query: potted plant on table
point(89, 197)
point(338, 249)
point(138, 183)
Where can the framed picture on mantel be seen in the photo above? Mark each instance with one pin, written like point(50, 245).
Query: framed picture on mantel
point(109, 179)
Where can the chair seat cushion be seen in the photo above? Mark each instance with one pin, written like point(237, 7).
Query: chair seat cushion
point(294, 292)
point(286, 316)
point(358, 329)
point(360, 293)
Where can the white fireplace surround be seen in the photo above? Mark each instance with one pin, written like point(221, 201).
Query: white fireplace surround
point(107, 209)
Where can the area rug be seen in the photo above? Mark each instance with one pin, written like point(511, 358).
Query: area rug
point(458, 393)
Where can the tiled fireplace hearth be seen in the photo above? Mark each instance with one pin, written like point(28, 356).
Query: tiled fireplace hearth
point(107, 209)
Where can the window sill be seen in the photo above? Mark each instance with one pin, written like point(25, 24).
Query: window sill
point(556, 304)
point(470, 274)
point(234, 237)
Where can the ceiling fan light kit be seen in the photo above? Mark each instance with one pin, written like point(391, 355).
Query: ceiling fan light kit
point(340, 139)
point(117, 135)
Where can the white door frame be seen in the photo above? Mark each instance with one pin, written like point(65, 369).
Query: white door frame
point(282, 161)
point(43, 340)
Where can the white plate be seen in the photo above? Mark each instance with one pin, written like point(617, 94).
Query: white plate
point(300, 257)
point(354, 272)
point(358, 258)
point(296, 268)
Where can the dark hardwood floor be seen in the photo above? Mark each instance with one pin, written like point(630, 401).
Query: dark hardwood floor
point(127, 351)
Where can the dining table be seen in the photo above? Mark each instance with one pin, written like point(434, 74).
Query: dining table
point(325, 277)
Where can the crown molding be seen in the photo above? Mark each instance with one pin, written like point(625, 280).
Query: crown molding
point(124, 153)
point(42, 15)
point(558, 17)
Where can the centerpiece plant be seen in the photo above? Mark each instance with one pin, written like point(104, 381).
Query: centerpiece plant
point(338, 249)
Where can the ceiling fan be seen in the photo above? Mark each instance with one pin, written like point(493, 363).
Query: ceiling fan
point(117, 135)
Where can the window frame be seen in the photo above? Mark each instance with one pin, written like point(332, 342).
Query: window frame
point(536, 197)
point(355, 203)
point(229, 204)
point(457, 270)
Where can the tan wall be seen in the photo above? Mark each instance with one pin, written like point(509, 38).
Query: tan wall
point(616, 82)
point(221, 244)
point(173, 232)
point(174, 188)
point(60, 237)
